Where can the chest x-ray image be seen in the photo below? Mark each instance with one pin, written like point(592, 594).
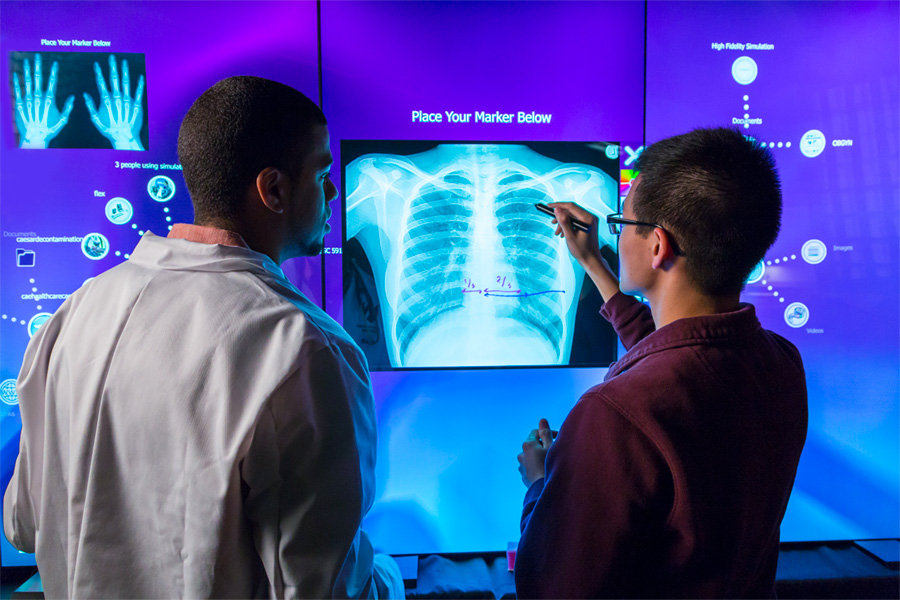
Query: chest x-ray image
point(447, 262)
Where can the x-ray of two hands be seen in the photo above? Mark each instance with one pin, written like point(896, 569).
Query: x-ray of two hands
point(119, 119)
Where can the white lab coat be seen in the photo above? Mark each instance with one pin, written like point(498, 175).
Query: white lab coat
point(193, 426)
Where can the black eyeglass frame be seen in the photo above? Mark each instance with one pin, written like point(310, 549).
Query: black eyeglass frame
point(614, 222)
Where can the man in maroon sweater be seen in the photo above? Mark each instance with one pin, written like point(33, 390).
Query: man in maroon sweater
point(670, 478)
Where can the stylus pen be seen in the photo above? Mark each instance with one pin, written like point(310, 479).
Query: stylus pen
point(576, 224)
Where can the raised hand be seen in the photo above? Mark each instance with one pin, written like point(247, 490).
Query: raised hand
point(585, 246)
point(121, 116)
point(37, 118)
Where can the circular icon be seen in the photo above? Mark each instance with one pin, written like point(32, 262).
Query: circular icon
point(36, 321)
point(796, 314)
point(757, 273)
point(744, 70)
point(119, 211)
point(8, 392)
point(95, 246)
point(814, 251)
point(612, 152)
point(161, 188)
point(812, 143)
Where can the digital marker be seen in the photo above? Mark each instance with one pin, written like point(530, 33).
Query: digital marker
point(576, 224)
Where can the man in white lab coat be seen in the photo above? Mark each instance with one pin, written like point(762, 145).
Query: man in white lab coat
point(192, 425)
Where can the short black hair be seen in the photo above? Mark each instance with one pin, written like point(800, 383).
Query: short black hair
point(234, 130)
point(719, 195)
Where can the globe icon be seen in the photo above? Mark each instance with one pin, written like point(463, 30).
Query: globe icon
point(8, 392)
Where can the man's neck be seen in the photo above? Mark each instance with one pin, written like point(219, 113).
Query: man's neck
point(683, 301)
point(257, 239)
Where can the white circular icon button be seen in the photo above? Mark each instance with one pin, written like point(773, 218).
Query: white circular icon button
point(744, 70)
point(814, 251)
point(796, 314)
point(36, 321)
point(757, 273)
point(812, 143)
point(95, 246)
point(161, 188)
point(119, 211)
point(8, 393)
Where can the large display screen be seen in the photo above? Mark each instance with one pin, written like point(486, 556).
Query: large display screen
point(449, 263)
point(448, 122)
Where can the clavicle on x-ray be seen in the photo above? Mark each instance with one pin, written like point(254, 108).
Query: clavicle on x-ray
point(468, 272)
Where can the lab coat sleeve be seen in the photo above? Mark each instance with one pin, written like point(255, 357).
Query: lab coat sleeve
point(18, 512)
point(310, 478)
point(22, 497)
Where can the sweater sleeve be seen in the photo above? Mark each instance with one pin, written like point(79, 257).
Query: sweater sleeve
point(631, 319)
point(588, 527)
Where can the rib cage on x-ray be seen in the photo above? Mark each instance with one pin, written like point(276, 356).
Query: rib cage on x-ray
point(468, 272)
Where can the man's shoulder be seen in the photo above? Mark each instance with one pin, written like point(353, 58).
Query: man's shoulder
point(298, 307)
point(655, 387)
point(786, 347)
point(701, 349)
point(658, 372)
point(234, 295)
point(236, 304)
point(635, 395)
point(685, 383)
point(650, 372)
point(273, 304)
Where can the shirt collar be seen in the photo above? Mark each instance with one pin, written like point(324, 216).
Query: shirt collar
point(207, 235)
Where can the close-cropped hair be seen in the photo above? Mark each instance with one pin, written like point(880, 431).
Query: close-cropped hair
point(234, 130)
point(719, 195)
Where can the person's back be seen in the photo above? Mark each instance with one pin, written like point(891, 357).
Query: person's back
point(193, 426)
point(144, 466)
point(716, 414)
point(670, 479)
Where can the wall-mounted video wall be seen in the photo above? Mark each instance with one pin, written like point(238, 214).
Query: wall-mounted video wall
point(449, 121)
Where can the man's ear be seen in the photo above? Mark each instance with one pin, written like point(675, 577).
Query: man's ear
point(273, 188)
point(663, 251)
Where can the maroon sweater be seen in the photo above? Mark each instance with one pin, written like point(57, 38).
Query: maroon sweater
point(670, 478)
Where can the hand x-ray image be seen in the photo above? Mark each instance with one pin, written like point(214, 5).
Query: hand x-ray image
point(79, 100)
point(447, 262)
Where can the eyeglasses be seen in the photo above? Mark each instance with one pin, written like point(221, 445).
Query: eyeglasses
point(616, 222)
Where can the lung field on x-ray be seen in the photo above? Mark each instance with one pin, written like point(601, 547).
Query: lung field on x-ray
point(466, 272)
